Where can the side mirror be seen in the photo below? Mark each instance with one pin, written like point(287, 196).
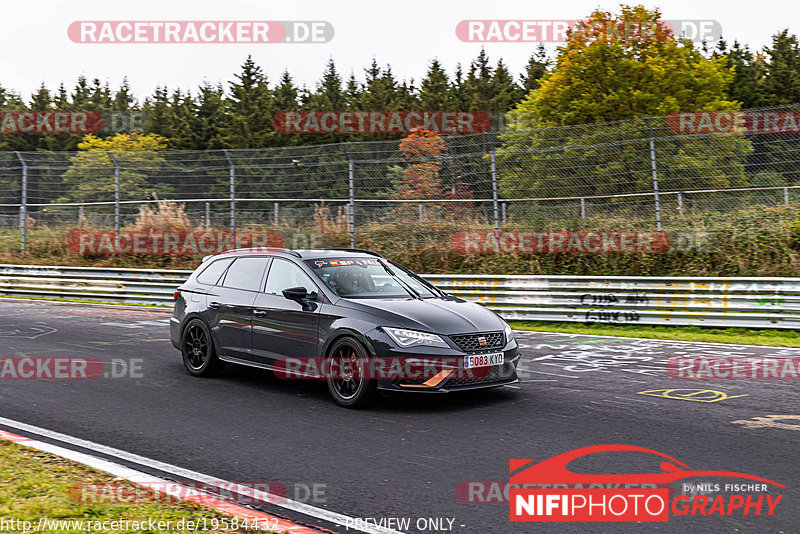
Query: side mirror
point(298, 294)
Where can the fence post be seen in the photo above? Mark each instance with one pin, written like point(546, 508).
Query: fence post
point(655, 173)
point(494, 193)
point(275, 214)
point(420, 212)
point(208, 216)
point(680, 204)
point(23, 206)
point(786, 196)
point(583, 208)
point(116, 199)
point(232, 174)
point(503, 209)
point(351, 216)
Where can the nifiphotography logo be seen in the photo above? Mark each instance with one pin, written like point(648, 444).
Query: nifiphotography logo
point(549, 491)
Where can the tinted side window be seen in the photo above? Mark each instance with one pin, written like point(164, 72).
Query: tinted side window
point(212, 272)
point(245, 273)
point(285, 274)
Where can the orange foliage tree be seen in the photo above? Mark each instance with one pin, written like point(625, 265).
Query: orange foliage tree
point(423, 149)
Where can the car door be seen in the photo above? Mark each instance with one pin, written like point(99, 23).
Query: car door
point(230, 305)
point(282, 328)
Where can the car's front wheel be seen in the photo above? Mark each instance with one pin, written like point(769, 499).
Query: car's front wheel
point(199, 355)
point(347, 374)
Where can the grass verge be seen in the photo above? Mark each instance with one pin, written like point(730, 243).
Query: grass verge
point(744, 336)
point(36, 484)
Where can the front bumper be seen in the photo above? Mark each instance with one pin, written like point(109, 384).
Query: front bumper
point(439, 370)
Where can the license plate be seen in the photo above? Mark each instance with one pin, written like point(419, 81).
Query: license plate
point(483, 360)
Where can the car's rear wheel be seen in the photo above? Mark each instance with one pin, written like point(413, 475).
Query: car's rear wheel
point(199, 355)
point(347, 374)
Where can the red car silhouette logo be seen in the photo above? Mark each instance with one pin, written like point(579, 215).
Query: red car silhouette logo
point(554, 470)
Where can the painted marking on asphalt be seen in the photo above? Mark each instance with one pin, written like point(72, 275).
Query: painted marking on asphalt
point(772, 421)
point(551, 374)
point(105, 465)
point(695, 395)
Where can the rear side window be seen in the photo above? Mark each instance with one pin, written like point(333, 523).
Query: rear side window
point(212, 272)
point(245, 273)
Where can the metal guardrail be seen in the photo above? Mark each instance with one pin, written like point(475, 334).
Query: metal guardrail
point(706, 301)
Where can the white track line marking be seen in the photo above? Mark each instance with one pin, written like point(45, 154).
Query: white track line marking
point(105, 465)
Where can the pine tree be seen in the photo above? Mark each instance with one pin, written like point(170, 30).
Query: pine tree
point(477, 85)
point(123, 99)
point(353, 93)
point(329, 95)
point(782, 80)
point(747, 85)
point(504, 92)
point(435, 91)
point(380, 89)
point(535, 69)
point(458, 91)
point(286, 93)
point(212, 119)
point(251, 107)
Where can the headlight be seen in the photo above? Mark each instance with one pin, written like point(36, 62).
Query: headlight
point(508, 333)
point(411, 338)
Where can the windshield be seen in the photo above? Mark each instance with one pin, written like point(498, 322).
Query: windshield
point(363, 278)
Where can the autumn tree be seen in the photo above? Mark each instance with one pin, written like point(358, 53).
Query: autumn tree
point(613, 68)
point(91, 178)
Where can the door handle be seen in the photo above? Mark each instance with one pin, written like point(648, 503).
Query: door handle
point(260, 313)
point(214, 305)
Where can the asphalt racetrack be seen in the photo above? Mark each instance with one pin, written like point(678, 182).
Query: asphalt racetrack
point(435, 460)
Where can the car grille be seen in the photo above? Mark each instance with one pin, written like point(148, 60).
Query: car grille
point(479, 342)
point(497, 373)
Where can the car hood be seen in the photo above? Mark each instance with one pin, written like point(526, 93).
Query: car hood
point(449, 315)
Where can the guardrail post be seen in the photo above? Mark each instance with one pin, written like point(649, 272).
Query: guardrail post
point(654, 170)
point(23, 206)
point(116, 199)
point(232, 175)
point(351, 212)
point(494, 192)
